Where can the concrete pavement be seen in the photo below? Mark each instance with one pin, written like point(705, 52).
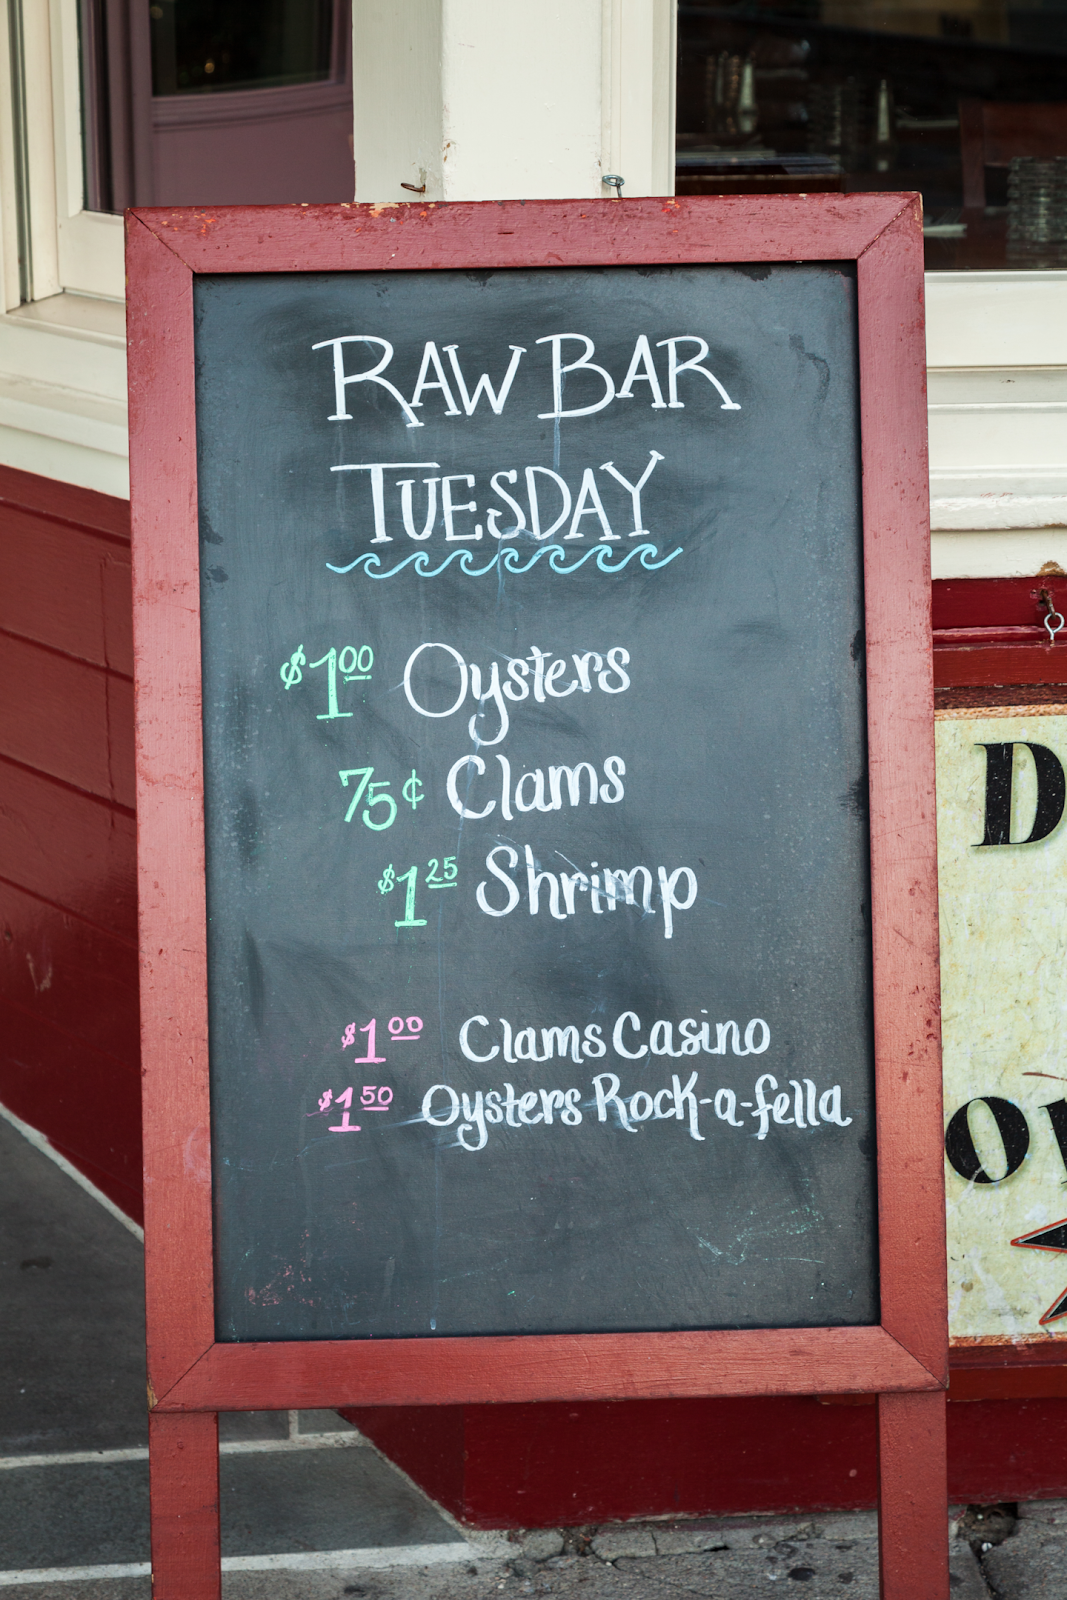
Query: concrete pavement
point(310, 1511)
point(729, 1559)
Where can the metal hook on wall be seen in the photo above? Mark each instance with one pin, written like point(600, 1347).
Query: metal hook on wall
point(1053, 619)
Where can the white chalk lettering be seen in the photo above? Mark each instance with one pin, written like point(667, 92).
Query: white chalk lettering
point(493, 515)
point(676, 368)
point(642, 369)
point(634, 489)
point(474, 1117)
point(830, 1107)
point(535, 504)
point(628, 1107)
point(430, 358)
point(598, 389)
point(606, 1087)
point(496, 398)
point(516, 685)
point(582, 364)
point(501, 875)
point(725, 1106)
point(450, 507)
point(427, 1106)
point(552, 501)
point(632, 1020)
point(341, 379)
point(377, 470)
point(670, 904)
point(589, 504)
point(464, 1039)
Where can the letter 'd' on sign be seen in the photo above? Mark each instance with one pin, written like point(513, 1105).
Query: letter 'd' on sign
point(1051, 792)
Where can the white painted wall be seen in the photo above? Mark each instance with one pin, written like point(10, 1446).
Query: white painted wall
point(501, 99)
point(997, 353)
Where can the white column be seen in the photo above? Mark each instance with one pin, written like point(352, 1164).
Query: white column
point(503, 99)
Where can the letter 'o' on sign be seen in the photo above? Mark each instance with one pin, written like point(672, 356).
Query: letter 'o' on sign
point(1014, 1135)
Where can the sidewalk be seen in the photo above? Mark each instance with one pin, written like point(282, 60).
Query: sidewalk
point(310, 1510)
point(73, 1425)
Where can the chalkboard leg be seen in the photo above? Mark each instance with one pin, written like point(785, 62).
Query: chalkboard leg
point(183, 1452)
point(913, 1496)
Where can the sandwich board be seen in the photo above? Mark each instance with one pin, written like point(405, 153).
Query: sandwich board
point(536, 820)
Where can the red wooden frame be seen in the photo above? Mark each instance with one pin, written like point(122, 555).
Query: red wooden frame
point(904, 1359)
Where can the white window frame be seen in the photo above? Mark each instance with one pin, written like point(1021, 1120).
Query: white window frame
point(89, 244)
point(70, 248)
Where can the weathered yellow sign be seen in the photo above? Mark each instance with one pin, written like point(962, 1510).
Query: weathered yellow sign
point(1002, 855)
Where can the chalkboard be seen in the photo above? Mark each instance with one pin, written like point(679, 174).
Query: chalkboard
point(535, 797)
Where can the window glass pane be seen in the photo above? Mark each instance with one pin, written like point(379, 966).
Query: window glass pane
point(216, 102)
point(845, 95)
point(200, 45)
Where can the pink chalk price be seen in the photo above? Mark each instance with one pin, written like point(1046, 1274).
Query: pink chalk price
point(373, 1097)
point(345, 1102)
point(397, 1034)
point(349, 1039)
point(376, 1097)
point(397, 1026)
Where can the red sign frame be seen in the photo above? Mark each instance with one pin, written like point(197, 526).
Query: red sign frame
point(904, 1359)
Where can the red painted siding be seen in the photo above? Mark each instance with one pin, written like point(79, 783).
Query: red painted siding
point(69, 1065)
point(561, 1466)
point(69, 1050)
point(565, 1465)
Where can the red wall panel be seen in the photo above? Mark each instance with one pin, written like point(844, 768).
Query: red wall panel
point(69, 1065)
point(66, 587)
point(65, 502)
point(69, 1046)
point(1007, 1450)
point(67, 719)
point(428, 1439)
point(75, 851)
point(995, 602)
point(87, 1103)
point(69, 974)
point(565, 1465)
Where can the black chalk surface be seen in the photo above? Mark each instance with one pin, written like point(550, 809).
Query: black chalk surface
point(538, 883)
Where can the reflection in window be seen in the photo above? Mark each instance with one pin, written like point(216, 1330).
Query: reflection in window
point(199, 45)
point(845, 95)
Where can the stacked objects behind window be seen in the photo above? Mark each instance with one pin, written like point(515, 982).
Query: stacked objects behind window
point(1037, 210)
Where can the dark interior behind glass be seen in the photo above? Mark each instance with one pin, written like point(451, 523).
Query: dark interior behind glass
point(808, 95)
point(200, 45)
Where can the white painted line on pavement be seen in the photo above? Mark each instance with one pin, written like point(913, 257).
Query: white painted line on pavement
point(127, 1569)
point(74, 1458)
point(412, 1555)
point(302, 1441)
point(40, 1142)
point(229, 1447)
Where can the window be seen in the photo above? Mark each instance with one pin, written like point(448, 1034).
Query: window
point(216, 102)
point(965, 100)
point(204, 46)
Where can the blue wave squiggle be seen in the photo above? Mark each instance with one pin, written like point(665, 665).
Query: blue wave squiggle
point(510, 559)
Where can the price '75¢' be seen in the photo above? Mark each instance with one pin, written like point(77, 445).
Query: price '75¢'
point(410, 790)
